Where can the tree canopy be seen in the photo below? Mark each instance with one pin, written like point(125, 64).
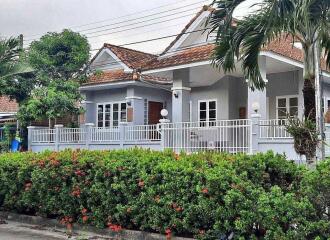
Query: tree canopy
point(60, 62)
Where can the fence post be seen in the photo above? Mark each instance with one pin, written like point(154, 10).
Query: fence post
point(88, 129)
point(161, 125)
point(255, 133)
point(57, 136)
point(122, 126)
point(30, 130)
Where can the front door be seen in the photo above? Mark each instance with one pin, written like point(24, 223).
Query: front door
point(154, 112)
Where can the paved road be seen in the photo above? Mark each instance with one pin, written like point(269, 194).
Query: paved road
point(20, 231)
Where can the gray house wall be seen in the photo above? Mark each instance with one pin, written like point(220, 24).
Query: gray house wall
point(281, 84)
point(135, 94)
point(218, 91)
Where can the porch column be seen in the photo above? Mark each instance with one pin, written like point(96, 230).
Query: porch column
point(135, 108)
point(180, 95)
point(258, 97)
point(300, 75)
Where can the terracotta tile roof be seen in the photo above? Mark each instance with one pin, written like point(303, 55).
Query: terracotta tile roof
point(7, 106)
point(190, 55)
point(132, 58)
point(281, 46)
point(284, 46)
point(120, 75)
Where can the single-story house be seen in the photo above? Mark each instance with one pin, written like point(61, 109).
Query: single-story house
point(133, 87)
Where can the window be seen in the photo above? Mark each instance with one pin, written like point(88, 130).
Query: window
point(111, 114)
point(286, 105)
point(207, 112)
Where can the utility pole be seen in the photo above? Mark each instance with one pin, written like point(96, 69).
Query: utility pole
point(21, 40)
point(318, 101)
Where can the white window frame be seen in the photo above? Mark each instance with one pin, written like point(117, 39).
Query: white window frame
point(208, 110)
point(325, 105)
point(111, 113)
point(287, 97)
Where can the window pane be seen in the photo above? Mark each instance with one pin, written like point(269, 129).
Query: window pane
point(115, 116)
point(107, 116)
point(123, 116)
point(107, 123)
point(293, 102)
point(115, 107)
point(202, 106)
point(100, 124)
point(123, 106)
point(202, 115)
point(115, 123)
point(281, 112)
point(107, 108)
point(281, 102)
point(212, 105)
point(212, 114)
point(328, 103)
point(100, 108)
point(294, 111)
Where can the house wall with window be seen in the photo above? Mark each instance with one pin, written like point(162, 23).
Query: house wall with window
point(217, 93)
point(106, 108)
point(283, 94)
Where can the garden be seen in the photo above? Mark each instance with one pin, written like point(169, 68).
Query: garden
point(205, 195)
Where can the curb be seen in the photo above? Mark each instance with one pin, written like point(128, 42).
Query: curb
point(53, 223)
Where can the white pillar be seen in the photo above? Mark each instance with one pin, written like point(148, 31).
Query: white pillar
point(88, 139)
point(259, 96)
point(30, 129)
point(58, 128)
point(181, 95)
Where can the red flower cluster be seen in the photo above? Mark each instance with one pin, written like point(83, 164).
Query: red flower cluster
point(176, 207)
point(66, 220)
point(114, 227)
point(55, 163)
point(41, 163)
point(168, 233)
point(205, 191)
point(80, 173)
point(76, 192)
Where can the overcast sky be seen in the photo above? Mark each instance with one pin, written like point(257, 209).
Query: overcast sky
point(112, 21)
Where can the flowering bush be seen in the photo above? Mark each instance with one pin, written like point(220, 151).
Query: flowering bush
point(206, 195)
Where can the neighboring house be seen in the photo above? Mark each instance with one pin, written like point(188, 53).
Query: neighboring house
point(132, 87)
point(8, 110)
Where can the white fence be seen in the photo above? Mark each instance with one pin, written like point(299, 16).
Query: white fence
point(231, 136)
point(273, 129)
point(226, 136)
point(95, 134)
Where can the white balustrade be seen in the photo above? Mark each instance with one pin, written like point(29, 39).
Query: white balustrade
point(142, 133)
point(273, 129)
point(232, 136)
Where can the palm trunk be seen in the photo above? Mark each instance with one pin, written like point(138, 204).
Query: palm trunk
point(309, 98)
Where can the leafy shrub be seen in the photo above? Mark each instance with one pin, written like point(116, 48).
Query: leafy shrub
point(206, 195)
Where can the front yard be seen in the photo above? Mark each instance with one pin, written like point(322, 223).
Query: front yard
point(205, 196)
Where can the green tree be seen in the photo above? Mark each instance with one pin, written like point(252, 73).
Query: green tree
point(306, 21)
point(60, 62)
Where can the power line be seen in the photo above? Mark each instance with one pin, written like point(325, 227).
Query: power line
point(159, 38)
point(148, 10)
point(133, 28)
point(142, 33)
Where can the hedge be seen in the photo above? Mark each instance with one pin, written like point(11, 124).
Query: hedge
point(206, 195)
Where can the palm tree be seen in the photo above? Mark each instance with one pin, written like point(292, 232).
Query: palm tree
point(10, 50)
point(304, 21)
